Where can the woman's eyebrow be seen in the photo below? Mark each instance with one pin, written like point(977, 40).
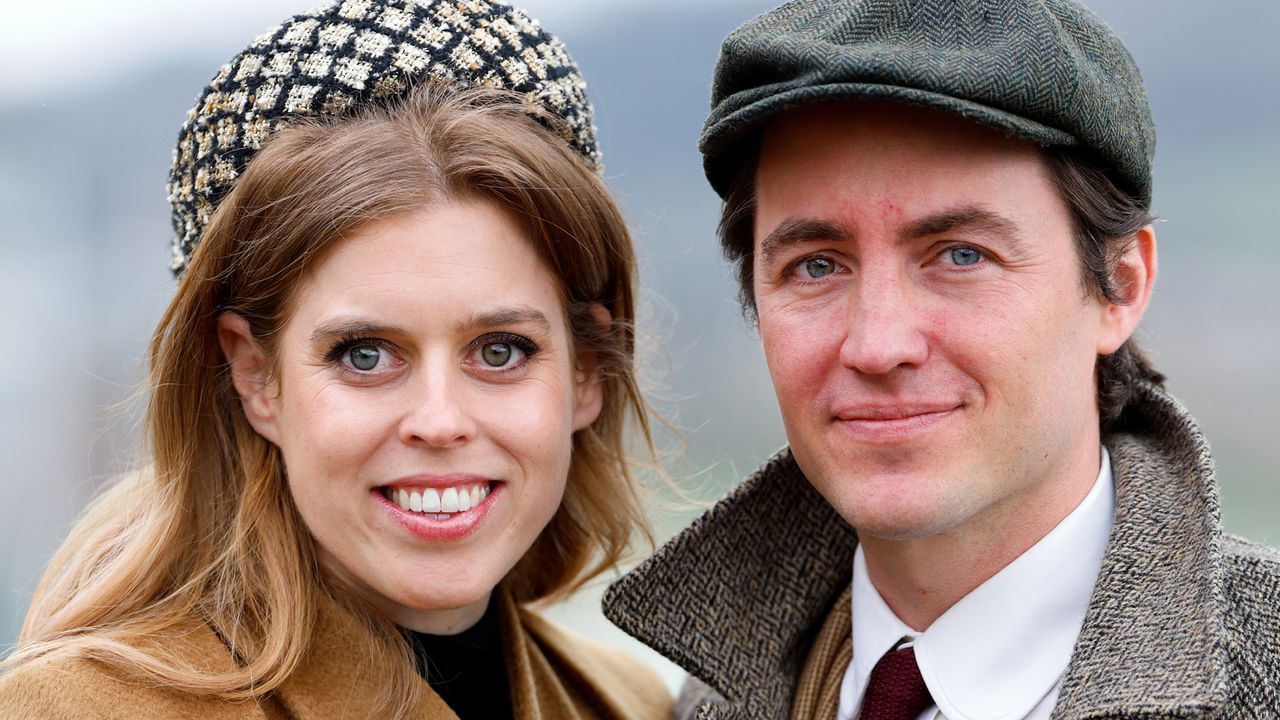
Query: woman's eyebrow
point(350, 326)
point(521, 315)
point(500, 317)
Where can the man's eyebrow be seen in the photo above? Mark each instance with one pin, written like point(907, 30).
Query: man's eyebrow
point(970, 217)
point(800, 230)
point(522, 315)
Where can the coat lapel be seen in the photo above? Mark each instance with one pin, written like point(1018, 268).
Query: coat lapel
point(737, 598)
point(1154, 640)
point(553, 675)
point(338, 678)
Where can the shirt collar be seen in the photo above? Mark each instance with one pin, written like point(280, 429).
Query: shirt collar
point(997, 652)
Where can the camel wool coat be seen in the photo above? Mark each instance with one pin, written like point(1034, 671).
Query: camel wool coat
point(555, 674)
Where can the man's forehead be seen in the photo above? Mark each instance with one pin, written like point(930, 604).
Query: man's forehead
point(901, 165)
point(817, 129)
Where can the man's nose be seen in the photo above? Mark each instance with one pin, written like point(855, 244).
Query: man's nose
point(439, 414)
point(883, 324)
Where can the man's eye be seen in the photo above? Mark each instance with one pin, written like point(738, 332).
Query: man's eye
point(962, 256)
point(500, 354)
point(816, 267)
point(364, 357)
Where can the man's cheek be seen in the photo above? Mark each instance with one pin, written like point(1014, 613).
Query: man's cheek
point(789, 354)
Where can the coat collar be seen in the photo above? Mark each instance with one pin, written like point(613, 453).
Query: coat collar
point(553, 672)
point(737, 598)
point(1154, 640)
point(338, 678)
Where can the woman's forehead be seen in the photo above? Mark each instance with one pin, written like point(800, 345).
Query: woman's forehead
point(459, 263)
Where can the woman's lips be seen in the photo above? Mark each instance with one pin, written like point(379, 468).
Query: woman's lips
point(438, 508)
point(439, 502)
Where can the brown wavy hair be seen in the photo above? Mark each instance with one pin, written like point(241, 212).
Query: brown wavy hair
point(207, 528)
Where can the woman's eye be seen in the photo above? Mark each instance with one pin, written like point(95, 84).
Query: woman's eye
point(816, 267)
point(365, 357)
point(500, 354)
point(962, 256)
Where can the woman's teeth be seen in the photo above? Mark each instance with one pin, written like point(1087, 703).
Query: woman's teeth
point(438, 503)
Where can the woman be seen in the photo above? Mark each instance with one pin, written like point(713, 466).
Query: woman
point(387, 402)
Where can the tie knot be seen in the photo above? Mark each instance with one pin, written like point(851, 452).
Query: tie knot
point(896, 690)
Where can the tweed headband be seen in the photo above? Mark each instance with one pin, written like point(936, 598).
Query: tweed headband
point(346, 54)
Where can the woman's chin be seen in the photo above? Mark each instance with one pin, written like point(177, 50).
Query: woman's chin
point(459, 592)
point(443, 611)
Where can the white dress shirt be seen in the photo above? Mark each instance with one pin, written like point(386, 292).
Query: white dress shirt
point(1001, 651)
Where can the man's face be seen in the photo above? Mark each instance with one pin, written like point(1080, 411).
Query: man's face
point(929, 338)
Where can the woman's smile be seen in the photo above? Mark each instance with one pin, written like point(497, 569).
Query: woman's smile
point(439, 376)
point(452, 509)
point(438, 503)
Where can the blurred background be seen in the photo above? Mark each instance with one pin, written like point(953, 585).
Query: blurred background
point(93, 93)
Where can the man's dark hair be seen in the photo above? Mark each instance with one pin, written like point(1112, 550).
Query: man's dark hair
point(1105, 216)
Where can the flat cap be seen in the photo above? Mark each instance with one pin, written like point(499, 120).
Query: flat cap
point(1048, 71)
point(349, 53)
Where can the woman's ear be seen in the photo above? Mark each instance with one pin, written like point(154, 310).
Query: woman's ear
point(589, 387)
point(1134, 279)
point(250, 375)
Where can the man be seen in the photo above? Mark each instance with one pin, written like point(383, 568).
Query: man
point(939, 213)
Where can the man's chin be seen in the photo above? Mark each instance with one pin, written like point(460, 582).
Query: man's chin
point(898, 528)
point(897, 514)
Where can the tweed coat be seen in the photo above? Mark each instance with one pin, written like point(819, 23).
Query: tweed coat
point(1184, 621)
point(591, 681)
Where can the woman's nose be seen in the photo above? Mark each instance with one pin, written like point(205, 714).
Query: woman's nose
point(438, 414)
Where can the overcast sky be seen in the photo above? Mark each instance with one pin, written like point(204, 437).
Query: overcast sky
point(49, 47)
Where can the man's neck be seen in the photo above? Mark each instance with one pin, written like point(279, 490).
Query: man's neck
point(921, 578)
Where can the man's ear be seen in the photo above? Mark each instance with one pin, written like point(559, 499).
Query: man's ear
point(1134, 279)
point(250, 374)
point(588, 385)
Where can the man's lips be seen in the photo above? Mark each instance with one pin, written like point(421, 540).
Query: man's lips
point(891, 423)
point(889, 413)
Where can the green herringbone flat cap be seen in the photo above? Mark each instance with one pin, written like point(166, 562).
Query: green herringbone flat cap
point(1048, 71)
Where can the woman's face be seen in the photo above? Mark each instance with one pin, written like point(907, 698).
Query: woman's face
point(425, 398)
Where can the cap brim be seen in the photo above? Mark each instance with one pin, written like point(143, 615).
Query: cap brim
point(741, 118)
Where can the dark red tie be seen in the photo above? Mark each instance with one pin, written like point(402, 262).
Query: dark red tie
point(896, 690)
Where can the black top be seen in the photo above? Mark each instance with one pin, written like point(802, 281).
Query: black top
point(467, 670)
